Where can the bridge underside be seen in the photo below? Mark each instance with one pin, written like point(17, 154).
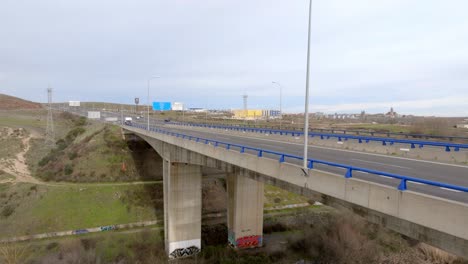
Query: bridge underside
point(432, 220)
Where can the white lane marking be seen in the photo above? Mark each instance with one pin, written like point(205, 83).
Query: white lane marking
point(380, 163)
point(405, 149)
point(417, 183)
point(447, 189)
point(386, 177)
point(345, 150)
point(339, 142)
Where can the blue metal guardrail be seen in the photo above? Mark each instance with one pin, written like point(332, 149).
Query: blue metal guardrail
point(311, 162)
point(364, 132)
point(340, 137)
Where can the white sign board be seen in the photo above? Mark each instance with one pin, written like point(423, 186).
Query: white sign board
point(94, 115)
point(177, 106)
point(74, 103)
point(111, 119)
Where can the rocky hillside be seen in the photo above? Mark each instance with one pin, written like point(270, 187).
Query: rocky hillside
point(11, 103)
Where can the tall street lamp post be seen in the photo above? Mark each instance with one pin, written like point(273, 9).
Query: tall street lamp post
point(306, 112)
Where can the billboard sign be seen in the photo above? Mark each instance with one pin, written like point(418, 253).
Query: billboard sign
point(74, 103)
point(94, 115)
point(177, 106)
point(161, 106)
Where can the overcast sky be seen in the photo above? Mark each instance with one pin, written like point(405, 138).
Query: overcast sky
point(365, 54)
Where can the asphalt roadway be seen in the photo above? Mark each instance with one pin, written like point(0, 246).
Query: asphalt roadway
point(433, 171)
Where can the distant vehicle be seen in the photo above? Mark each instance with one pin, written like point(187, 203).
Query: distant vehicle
point(138, 117)
point(128, 121)
point(167, 120)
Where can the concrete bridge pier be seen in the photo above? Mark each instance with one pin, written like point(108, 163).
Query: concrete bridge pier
point(245, 211)
point(182, 208)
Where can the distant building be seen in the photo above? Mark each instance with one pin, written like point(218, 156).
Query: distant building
point(391, 113)
point(462, 125)
point(255, 114)
point(197, 110)
point(363, 115)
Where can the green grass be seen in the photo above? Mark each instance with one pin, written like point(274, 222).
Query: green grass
point(275, 196)
point(42, 209)
point(17, 120)
point(34, 120)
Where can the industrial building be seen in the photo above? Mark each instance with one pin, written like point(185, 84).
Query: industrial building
point(253, 114)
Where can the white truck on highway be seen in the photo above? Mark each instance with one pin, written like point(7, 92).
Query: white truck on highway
point(128, 121)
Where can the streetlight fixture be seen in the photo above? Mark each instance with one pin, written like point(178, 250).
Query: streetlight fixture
point(147, 100)
point(281, 101)
point(306, 110)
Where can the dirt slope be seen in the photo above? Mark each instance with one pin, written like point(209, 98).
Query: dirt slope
point(10, 103)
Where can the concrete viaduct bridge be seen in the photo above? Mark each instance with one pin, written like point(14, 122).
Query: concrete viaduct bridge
point(437, 221)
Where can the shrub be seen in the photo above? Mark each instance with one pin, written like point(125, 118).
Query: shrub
point(61, 144)
point(80, 121)
point(44, 161)
point(72, 155)
point(7, 211)
point(47, 176)
point(276, 227)
point(74, 133)
point(88, 243)
point(52, 245)
point(341, 241)
point(68, 169)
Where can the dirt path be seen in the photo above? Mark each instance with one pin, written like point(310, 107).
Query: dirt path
point(17, 166)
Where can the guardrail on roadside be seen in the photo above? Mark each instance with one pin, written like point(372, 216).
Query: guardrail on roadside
point(358, 132)
point(413, 143)
point(282, 157)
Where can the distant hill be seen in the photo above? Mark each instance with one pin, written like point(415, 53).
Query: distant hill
point(11, 103)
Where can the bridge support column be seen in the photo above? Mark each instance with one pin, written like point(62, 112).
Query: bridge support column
point(182, 209)
point(245, 211)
